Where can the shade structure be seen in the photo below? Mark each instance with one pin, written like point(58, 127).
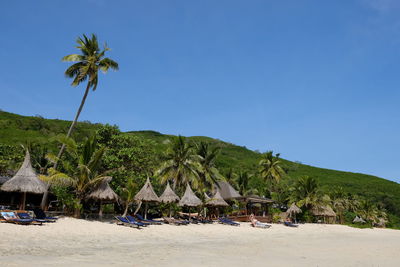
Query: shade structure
point(189, 198)
point(147, 194)
point(168, 196)
point(25, 181)
point(325, 211)
point(104, 192)
point(293, 210)
point(227, 191)
point(217, 200)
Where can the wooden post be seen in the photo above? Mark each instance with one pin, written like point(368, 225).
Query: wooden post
point(22, 207)
point(101, 210)
point(145, 211)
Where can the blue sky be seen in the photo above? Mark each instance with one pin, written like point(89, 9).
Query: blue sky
point(316, 81)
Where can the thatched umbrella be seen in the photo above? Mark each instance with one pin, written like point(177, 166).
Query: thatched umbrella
point(189, 199)
point(104, 193)
point(217, 201)
point(227, 191)
point(147, 194)
point(169, 196)
point(293, 210)
point(25, 181)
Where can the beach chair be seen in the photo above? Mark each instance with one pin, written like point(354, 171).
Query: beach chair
point(124, 221)
point(12, 217)
point(133, 220)
point(26, 215)
point(174, 221)
point(289, 224)
point(141, 219)
point(39, 213)
point(228, 222)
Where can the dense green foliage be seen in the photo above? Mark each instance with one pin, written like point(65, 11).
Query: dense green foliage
point(146, 149)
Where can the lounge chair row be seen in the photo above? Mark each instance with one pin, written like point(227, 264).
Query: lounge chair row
point(24, 218)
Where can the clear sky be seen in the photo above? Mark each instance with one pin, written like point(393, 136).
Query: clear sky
point(317, 81)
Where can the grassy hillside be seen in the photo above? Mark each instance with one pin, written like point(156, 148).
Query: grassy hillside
point(16, 129)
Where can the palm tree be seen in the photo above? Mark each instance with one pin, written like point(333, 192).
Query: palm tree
point(270, 167)
point(180, 164)
point(208, 172)
point(87, 67)
point(306, 192)
point(128, 193)
point(340, 202)
point(82, 173)
point(243, 182)
point(368, 211)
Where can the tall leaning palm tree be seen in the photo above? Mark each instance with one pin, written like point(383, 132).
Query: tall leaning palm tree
point(88, 63)
point(208, 172)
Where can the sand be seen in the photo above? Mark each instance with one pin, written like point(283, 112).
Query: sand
point(72, 242)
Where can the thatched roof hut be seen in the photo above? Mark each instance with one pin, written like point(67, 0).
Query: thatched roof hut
point(147, 193)
point(227, 191)
point(189, 198)
point(325, 211)
point(168, 196)
point(217, 200)
point(25, 180)
point(293, 210)
point(104, 192)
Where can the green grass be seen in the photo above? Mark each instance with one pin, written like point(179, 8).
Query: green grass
point(16, 129)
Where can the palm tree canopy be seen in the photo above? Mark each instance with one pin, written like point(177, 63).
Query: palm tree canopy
point(270, 167)
point(180, 164)
point(89, 62)
point(208, 173)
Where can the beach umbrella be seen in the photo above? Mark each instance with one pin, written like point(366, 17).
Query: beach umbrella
point(25, 181)
point(169, 196)
point(146, 195)
point(293, 210)
point(189, 199)
point(104, 193)
point(217, 201)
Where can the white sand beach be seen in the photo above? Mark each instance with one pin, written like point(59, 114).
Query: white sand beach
point(72, 242)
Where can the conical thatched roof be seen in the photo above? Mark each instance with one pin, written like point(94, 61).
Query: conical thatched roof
point(189, 198)
point(25, 180)
point(168, 196)
point(227, 191)
point(293, 210)
point(217, 200)
point(104, 191)
point(147, 193)
point(325, 211)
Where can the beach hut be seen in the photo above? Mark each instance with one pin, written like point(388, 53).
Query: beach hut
point(293, 210)
point(189, 199)
point(104, 194)
point(227, 191)
point(146, 195)
point(169, 196)
point(25, 181)
point(326, 212)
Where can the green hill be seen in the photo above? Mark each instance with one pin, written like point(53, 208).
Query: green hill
point(16, 129)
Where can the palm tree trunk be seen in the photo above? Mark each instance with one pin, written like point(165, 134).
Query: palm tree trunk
point(138, 207)
point(43, 204)
point(126, 209)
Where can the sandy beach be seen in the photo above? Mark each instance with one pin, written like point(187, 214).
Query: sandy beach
point(85, 243)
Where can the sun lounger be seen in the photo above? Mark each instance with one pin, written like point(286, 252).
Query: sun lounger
point(39, 213)
point(174, 221)
point(289, 224)
point(11, 217)
point(228, 222)
point(26, 215)
point(133, 220)
point(124, 221)
point(141, 219)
